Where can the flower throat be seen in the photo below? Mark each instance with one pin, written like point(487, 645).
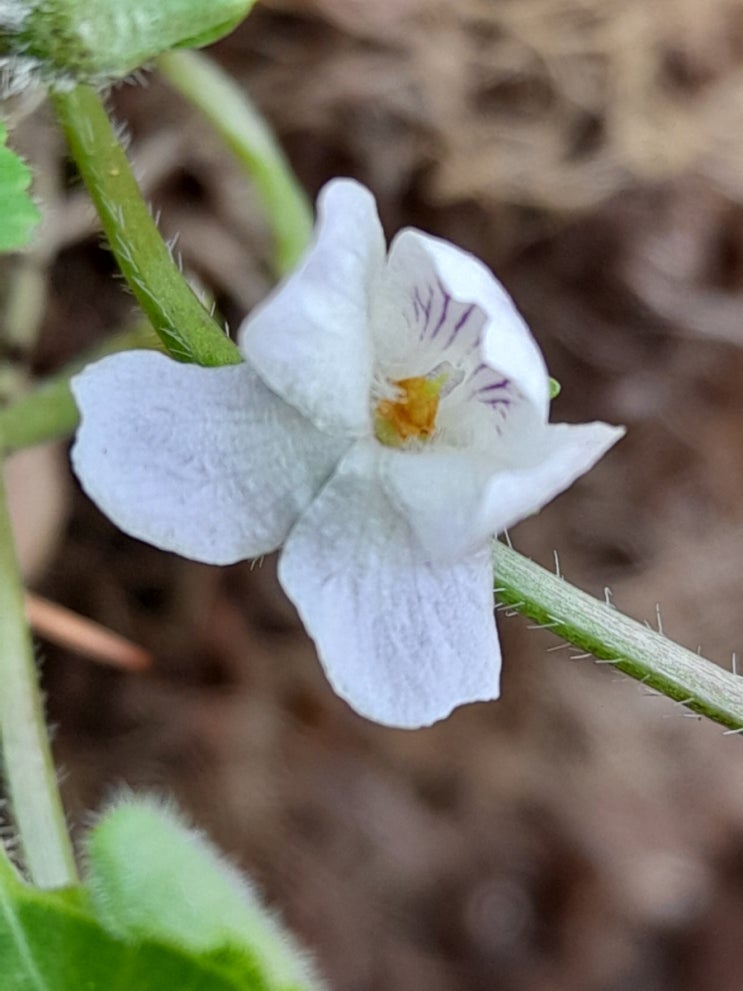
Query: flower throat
point(411, 416)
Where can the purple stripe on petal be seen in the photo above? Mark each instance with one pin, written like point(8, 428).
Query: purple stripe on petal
point(460, 324)
point(429, 304)
point(423, 308)
point(494, 386)
point(444, 310)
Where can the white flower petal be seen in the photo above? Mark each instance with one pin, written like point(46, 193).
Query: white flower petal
point(310, 340)
point(206, 462)
point(457, 499)
point(449, 299)
point(404, 641)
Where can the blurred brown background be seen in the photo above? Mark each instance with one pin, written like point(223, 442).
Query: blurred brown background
point(578, 835)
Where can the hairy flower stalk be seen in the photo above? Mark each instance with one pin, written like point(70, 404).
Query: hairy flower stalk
point(390, 417)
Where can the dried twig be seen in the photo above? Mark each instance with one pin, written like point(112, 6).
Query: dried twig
point(68, 629)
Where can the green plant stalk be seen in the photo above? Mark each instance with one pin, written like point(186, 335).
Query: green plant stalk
point(29, 769)
point(249, 138)
point(48, 412)
point(186, 328)
point(614, 638)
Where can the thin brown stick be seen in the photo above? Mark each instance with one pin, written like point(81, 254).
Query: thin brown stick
point(67, 629)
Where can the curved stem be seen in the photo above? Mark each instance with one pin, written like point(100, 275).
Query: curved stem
point(250, 139)
point(186, 328)
point(29, 768)
point(616, 639)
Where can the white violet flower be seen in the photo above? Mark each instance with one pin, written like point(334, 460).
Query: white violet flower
point(390, 417)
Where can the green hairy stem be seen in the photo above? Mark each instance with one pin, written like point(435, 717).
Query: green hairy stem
point(611, 637)
point(30, 778)
point(186, 328)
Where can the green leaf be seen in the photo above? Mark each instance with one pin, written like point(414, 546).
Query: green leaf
point(48, 942)
point(151, 875)
point(96, 43)
point(18, 212)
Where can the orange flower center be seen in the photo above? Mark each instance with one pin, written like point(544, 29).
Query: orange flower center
point(412, 416)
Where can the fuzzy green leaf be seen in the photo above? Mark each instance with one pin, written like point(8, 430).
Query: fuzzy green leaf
point(96, 43)
point(18, 212)
point(49, 942)
point(179, 889)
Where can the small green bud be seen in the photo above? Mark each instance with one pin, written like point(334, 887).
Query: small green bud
point(99, 41)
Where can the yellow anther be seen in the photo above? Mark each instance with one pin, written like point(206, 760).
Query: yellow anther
point(413, 415)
